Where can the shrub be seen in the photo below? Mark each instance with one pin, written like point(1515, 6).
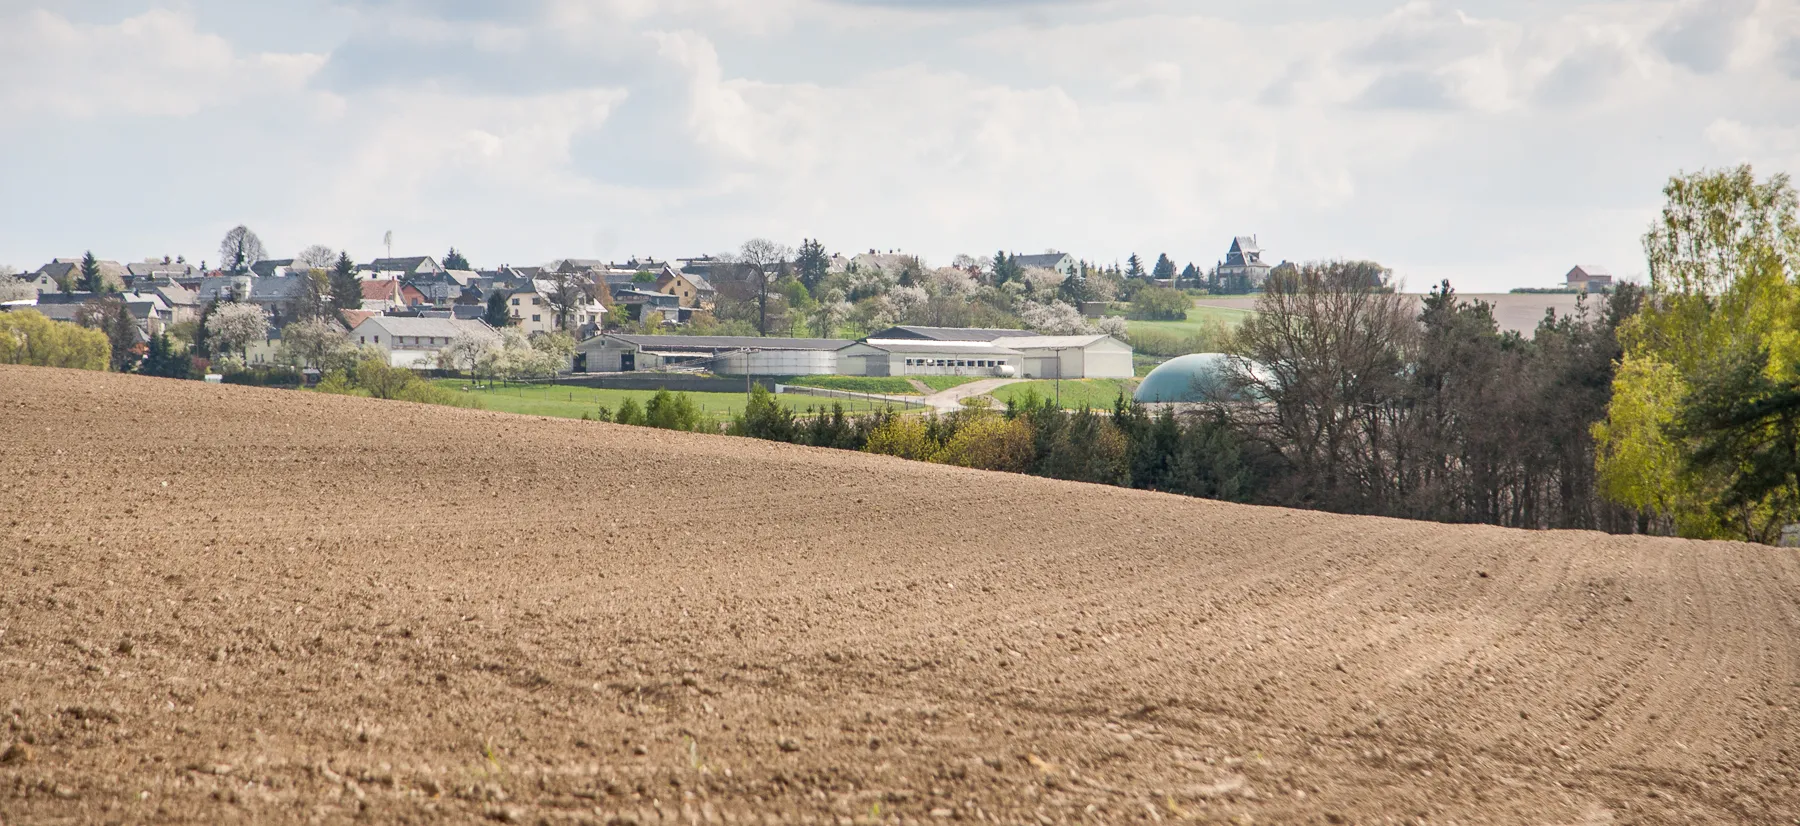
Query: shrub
point(673, 411)
point(766, 418)
point(630, 413)
point(27, 337)
point(267, 377)
point(1160, 304)
point(904, 436)
point(337, 383)
point(990, 442)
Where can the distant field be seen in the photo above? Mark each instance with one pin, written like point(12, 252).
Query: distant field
point(1515, 312)
point(1199, 319)
point(572, 402)
point(1076, 393)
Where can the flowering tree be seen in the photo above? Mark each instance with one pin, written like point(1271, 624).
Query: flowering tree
point(235, 324)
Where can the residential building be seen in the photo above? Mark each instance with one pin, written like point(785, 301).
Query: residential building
point(533, 310)
point(689, 290)
point(161, 268)
point(724, 355)
point(1589, 278)
point(1243, 269)
point(401, 268)
point(39, 282)
point(1061, 262)
point(414, 342)
point(391, 294)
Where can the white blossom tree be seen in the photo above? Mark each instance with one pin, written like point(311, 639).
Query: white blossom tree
point(234, 325)
point(1053, 318)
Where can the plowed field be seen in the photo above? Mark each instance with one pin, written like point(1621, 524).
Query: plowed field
point(226, 604)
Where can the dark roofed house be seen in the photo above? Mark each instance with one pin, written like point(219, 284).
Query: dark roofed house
point(576, 266)
point(1589, 277)
point(271, 267)
point(1243, 269)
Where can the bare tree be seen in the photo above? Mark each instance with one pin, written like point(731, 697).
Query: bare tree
point(315, 257)
point(1321, 367)
point(240, 249)
point(764, 262)
point(567, 294)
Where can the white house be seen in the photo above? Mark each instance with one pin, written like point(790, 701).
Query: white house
point(414, 342)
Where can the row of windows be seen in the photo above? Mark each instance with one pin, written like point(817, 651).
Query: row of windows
point(534, 302)
point(953, 363)
point(426, 340)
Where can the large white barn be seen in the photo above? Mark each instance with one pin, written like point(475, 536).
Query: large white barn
point(725, 355)
point(932, 351)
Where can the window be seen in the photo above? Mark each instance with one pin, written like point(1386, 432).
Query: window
point(534, 316)
point(378, 339)
point(515, 302)
point(362, 339)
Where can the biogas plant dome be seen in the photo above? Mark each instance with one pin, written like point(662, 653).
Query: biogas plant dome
point(1199, 377)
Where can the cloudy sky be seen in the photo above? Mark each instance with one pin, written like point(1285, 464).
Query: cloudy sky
point(1492, 142)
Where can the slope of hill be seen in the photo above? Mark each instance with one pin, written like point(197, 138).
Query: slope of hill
point(237, 604)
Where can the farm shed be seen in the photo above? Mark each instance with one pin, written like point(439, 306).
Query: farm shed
point(1072, 357)
point(925, 357)
point(727, 355)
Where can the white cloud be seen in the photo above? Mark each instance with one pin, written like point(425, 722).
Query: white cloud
point(1491, 148)
point(156, 63)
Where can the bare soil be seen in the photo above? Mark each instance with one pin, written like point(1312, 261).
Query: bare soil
point(228, 604)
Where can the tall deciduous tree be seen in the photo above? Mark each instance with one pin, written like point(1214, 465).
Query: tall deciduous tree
point(315, 257)
point(109, 315)
point(764, 262)
point(239, 249)
point(1722, 295)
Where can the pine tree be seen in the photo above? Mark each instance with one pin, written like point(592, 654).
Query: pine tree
point(1165, 269)
point(91, 280)
point(346, 289)
point(812, 264)
point(164, 361)
point(1006, 268)
point(1134, 266)
point(1191, 275)
point(454, 260)
point(497, 316)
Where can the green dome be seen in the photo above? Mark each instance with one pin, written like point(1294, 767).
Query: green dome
point(1198, 377)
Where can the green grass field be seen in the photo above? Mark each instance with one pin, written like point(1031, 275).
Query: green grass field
point(1076, 393)
point(1199, 319)
point(572, 402)
point(885, 385)
point(941, 383)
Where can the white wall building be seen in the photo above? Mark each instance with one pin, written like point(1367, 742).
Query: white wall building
point(724, 355)
point(926, 357)
point(414, 342)
point(1072, 357)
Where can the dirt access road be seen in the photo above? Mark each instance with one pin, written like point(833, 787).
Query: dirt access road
point(228, 604)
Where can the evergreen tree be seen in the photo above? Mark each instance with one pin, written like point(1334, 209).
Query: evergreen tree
point(1134, 266)
point(1165, 269)
point(91, 280)
point(454, 260)
point(1075, 289)
point(346, 288)
point(164, 361)
point(497, 315)
point(1190, 276)
point(812, 264)
point(1006, 268)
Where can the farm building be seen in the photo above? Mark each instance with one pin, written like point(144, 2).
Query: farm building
point(727, 355)
point(1072, 357)
point(947, 351)
point(925, 357)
